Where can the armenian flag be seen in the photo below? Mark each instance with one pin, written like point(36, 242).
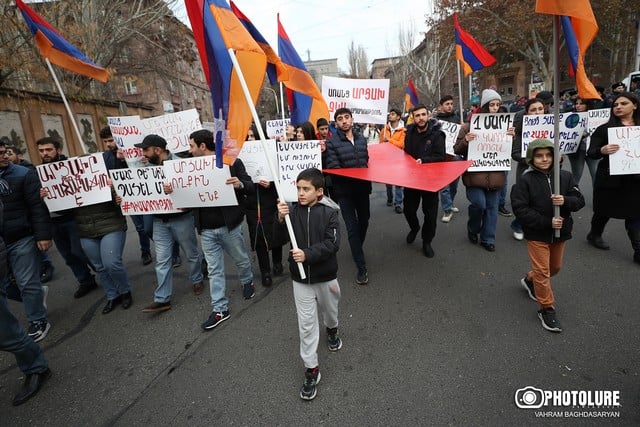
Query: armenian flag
point(57, 49)
point(471, 54)
point(411, 97)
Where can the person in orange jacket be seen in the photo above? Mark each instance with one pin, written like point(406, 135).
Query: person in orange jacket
point(394, 132)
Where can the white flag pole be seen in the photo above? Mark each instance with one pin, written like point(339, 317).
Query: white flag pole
point(66, 105)
point(460, 94)
point(263, 138)
point(284, 126)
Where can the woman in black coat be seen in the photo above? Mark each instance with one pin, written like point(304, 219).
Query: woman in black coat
point(615, 196)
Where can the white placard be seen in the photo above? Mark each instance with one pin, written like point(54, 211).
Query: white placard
point(142, 191)
point(572, 128)
point(626, 160)
point(255, 161)
point(368, 99)
point(175, 128)
point(596, 119)
point(451, 131)
point(197, 182)
point(293, 158)
point(75, 182)
point(127, 131)
point(277, 128)
point(491, 149)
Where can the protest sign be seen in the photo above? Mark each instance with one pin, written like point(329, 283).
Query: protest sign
point(142, 191)
point(626, 160)
point(451, 131)
point(75, 182)
point(596, 118)
point(127, 131)
point(277, 128)
point(572, 128)
point(174, 127)
point(368, 99)
point(490, 150)
point(293, 158)
point(197, 182)
point(255, 161)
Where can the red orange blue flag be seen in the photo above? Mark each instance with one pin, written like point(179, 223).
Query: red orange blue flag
point(57, 49)
point(411, 97)
point(471, 54)
point(215, 30)
point(305, 99)
point(579, 28)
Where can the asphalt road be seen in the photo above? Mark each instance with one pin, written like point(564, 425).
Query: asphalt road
point(442, 341)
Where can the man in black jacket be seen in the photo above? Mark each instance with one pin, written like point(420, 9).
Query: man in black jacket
point(14, 339)
point(26, 231)
point(348, 149)
point(425, 142)
point(220, 230)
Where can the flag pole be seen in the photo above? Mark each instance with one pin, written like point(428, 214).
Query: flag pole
point(284, 126)
point(66, 105)
point(556, 115)
point(276, 180)
point(460, 93)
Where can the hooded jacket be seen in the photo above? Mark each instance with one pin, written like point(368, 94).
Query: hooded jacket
point(531, 200)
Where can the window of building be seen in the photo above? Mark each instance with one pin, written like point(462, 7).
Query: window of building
point(130, 87)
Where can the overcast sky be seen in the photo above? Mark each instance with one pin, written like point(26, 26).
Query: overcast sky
point(325, 28)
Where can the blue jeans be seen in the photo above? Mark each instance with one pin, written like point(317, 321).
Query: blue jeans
point(24, 259)
point(214, 242)
point(67, 240)
point(396, 196)
point(14, 339)
point(105, 253)
point(145, 242)
point(355, 212)
point(503, 191)
point(483, 213)
point(179, 229)
point(448, 195)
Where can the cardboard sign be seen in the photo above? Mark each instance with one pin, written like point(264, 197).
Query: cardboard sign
point(451, 131)
point(75, 182)
point(625, 161)
point(368, 99)
point(277, 128)
point(174, 127)
point(142, 191)
point(491, 149)
point(255, 160)
point(293, 158)
point(127, 131)
point(596, 119)
point(197, 182)
point(573, 127)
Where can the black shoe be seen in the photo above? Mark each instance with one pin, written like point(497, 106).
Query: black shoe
point(311, 380)
point(84, 289)
point(127, 301)
point(411, 237)
point(504, 211)
point(39, 329)
point(215, 319)
point(363, 277)
point(46, 272)
point(111, 305)
point(528, 285)
point(428, 250)
point(277, 269)
point(488, 246)
point(549, 321)
point(266, 280)
point(333, 340)
point(473, 237)
point(398, 209)
point(146, 258)
point(248, 290)
point(31, 386)
point(596, 241)
point(389, 202)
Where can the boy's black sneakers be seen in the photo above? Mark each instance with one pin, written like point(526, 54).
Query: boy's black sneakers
point(311, 379)
point(548, 318)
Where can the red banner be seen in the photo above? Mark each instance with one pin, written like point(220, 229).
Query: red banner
point(389, 164)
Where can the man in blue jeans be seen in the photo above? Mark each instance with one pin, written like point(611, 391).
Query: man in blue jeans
point(168, 229)
point(220, 229)
point(14, 339)
point(26, 231)
point(347, 148)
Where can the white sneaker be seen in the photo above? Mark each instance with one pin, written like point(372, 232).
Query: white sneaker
point(455, 210)
point(45, 293)
point(518, 235)
point(447, 216)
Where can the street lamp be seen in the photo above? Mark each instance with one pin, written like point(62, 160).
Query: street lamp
point(275, 98)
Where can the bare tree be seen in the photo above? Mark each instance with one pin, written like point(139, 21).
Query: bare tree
point(358, 62)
